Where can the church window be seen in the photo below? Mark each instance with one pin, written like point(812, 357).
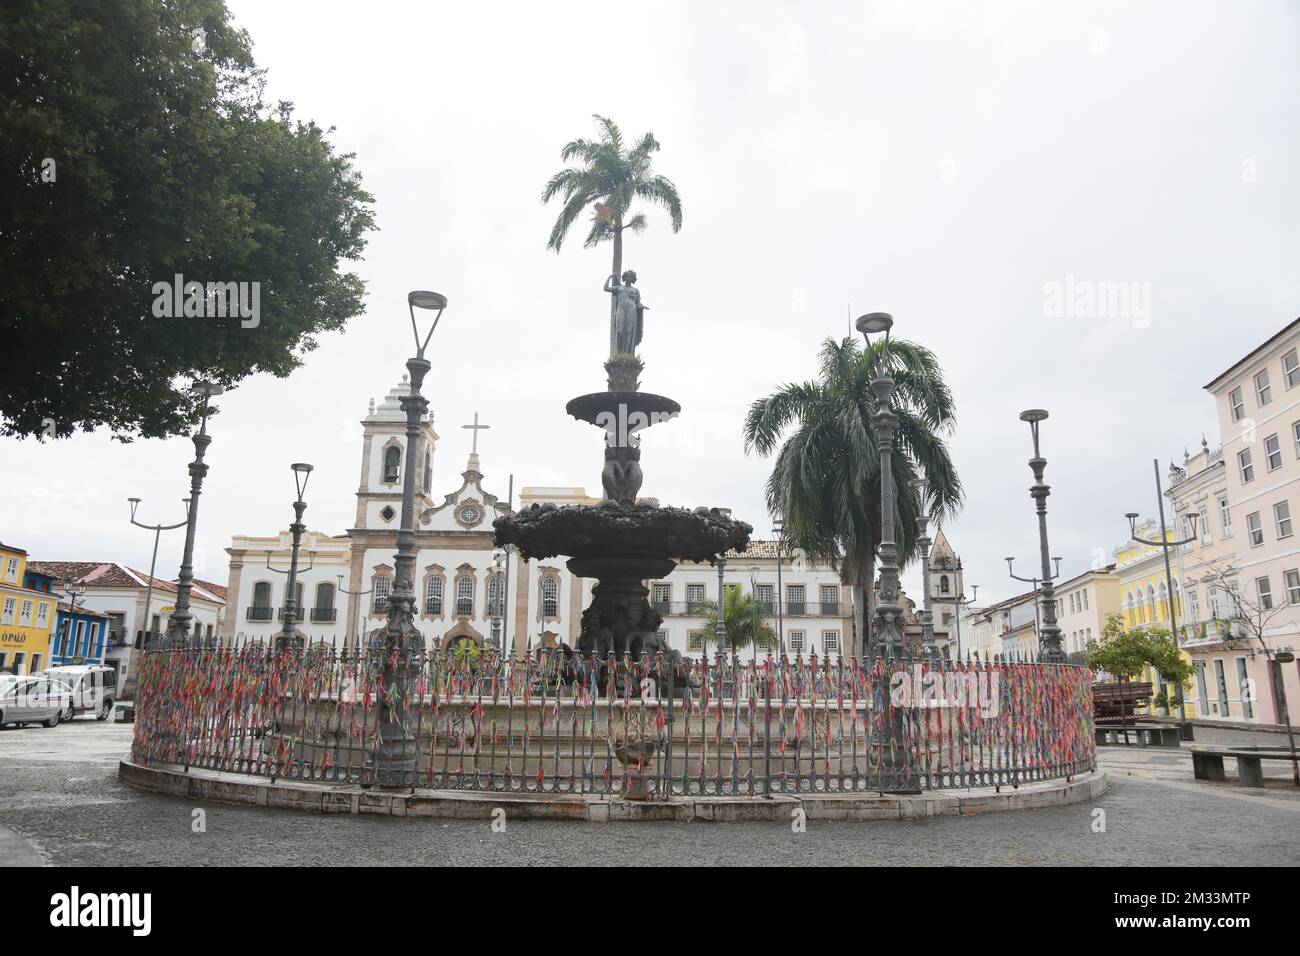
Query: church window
point(465, 595)
point(550, 597)
point(388, 514)
point(433, 596)
point(392, 464)
point(428, 472)
point(943, 584)
point(382, 587)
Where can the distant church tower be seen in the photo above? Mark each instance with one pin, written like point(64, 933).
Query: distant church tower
point(946, 588)
point(383, 464)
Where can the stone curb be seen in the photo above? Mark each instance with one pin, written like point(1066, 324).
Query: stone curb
point(469, 805)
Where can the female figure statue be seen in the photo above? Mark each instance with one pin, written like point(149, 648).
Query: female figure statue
point(627, 323)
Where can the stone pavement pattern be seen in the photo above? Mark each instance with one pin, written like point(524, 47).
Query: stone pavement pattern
point(61, 803)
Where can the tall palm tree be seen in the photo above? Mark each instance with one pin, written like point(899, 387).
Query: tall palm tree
point(609, 178)
point(825, 479)
point(738, 621)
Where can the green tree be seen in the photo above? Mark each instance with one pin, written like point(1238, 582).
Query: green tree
point(1127, 653)
point(138, 147)
point(610, 178)
point(738, 621)
point(825, 478)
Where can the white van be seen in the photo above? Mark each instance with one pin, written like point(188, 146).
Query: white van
point(93, 688)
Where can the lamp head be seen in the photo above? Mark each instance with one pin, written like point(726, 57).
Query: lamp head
point(301, 473)
point(433, 302)
point(874, 322)
point(135, 503)
point(208, 389)
point(1033, 415)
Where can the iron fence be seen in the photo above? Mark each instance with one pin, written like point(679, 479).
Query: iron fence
point(555, 722)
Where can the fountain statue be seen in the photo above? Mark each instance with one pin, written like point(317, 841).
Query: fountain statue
point(624, 541)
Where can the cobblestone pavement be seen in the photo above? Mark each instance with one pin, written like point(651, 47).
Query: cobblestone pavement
point(61, 803)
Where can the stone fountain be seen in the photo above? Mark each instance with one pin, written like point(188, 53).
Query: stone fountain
point(624, 541)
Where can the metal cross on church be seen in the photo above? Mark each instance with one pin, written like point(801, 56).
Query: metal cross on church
point(476, 428)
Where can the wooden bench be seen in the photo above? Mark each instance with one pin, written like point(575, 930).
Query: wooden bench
point(1147, 734)
point(1207, 762)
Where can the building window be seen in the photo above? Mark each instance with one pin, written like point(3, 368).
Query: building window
point(1282, 515)
point(262, 594)
point(1273, 452)
point(1295, 433)
point(694, 597)
point(830, 597)
point(1263, 392)
point(550, 597)
point(1293, 586)
point(25, 616)
point(381, 587)
point(797, 641)
point(433, 596)
point(464, 596)
point(794, 598)
point(830, 642)
point(1194, 605)
point(1238, 405)
point(323, 609)
point(42, 615)
point(1255, 529)
point(765, 595)
point(1225, 515)
point(428, 472)
point(943, 584)
point(1247, 469)
point(662, 596)
point(392, 464)
point(496, 595)
point(695, 640)
point(1291, 368)
point(1207, 537)
point(1265, 592)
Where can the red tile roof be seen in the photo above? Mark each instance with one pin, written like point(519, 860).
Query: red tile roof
point(110, 574)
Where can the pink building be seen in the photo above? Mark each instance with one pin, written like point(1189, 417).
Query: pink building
point(1258, 400)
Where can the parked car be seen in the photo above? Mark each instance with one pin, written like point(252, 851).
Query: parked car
point(31, 700)
point(93, 688)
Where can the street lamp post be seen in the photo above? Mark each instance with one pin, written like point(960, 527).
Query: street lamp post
point(1036, 583)
point(923, 539)
point(157, 530)
point(778, 528)
point(963, 602)
point(500, 567)
point(753, 600)
point(1184, 728)
point(887, 630)
point(178, 625)
point(1049, 641)
point(397, 753)
point(288, 639)
point(720, 626)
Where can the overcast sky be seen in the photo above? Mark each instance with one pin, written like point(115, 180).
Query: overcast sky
point(947, 163)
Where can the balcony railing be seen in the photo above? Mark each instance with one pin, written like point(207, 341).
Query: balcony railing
point(767, 608)
point(324, 614)
point(1215, 631)
point(258, 613)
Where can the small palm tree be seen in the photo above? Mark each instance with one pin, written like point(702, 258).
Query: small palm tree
point(738, 621)
point(825, 479)
point(609, 179)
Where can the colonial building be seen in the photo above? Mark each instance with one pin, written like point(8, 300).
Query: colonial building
point(471, 591)
point(27, 616)
point(1206, 633)
point(1007, 630)
point(122, 594)
point(1083, 604)
point(1258, 399)
point(81, 635)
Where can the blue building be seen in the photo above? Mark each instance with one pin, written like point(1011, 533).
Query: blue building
point(81, 636)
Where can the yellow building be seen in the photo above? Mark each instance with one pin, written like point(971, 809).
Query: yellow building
point(1144, 595)
point(27, 617)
